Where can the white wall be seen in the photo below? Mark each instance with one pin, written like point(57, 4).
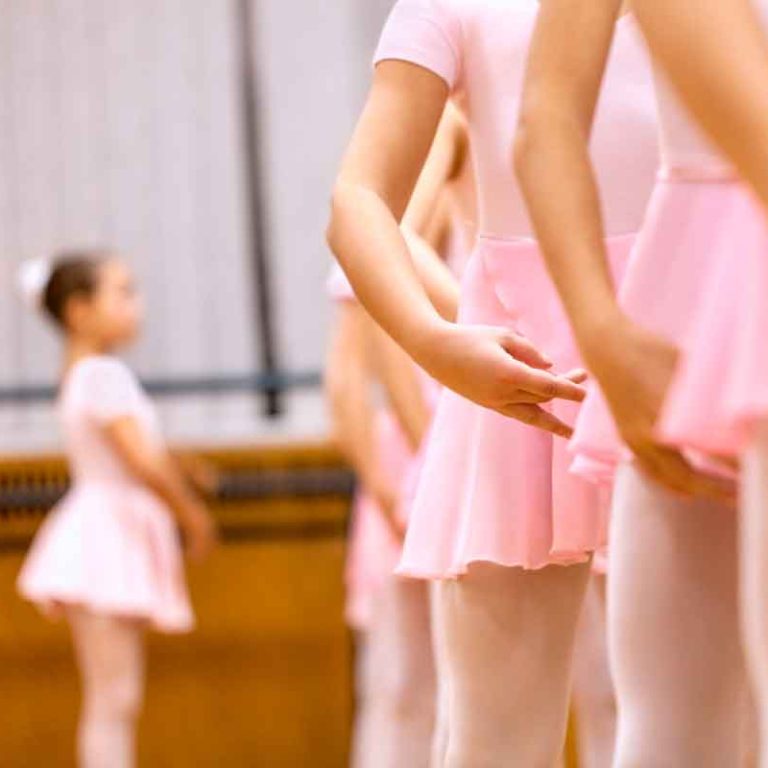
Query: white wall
point(314, 68)
point(120, 124)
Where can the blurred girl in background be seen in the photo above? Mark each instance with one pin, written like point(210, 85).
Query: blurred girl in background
point(108, 557)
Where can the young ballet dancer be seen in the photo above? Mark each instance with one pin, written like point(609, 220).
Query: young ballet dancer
point(498, 523)
point(396, 703)
point(395, 672)
point(108, 558)
point(690, 311)
point(716, 54)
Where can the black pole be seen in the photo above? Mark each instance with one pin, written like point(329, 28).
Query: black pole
point(263, 308)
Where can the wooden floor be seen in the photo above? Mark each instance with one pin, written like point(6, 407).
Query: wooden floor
point(263, 681)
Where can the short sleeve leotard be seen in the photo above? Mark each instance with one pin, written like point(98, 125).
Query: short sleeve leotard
point(111, 545)
point(479, 48)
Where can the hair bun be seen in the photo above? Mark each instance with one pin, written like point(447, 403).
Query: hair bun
point(32, 279)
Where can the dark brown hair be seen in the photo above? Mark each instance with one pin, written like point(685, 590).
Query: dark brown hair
point(74, 273)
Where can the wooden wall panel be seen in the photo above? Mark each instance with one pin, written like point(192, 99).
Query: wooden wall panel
point(265, 680)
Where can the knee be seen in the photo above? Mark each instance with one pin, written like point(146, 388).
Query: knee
point(119, 698)
point(594, 704)
point(409, 696)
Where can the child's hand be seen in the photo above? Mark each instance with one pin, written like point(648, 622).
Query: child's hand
point(200, 473)
point(498, 369)
point(634, 368)
point(200, 534)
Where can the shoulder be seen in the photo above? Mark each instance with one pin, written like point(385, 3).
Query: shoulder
point(426, 33)
point(104, 366)
point(104, 375)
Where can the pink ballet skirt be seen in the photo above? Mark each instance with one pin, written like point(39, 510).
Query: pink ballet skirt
point(111, 550)
point(699, 277)
point(110, 546)
point(493, 489)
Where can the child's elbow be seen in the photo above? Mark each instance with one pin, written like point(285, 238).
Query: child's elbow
point(335, 215)
point(526, 139)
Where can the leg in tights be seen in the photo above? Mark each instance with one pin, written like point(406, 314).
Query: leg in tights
point(360, 739)
point(674, 629)
point(754, 576)
point(594, 701)
point(399, 699)
point(110, 657)
point(509, 635)
point(440, 737)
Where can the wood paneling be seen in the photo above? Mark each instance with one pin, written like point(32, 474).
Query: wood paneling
point(265, 678)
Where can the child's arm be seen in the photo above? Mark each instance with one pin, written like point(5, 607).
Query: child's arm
point(439, 282)
point(492, 366)
point(565, 69)
point(202, 474)
point(156, 468)
point(400, 379)
point(348, 380)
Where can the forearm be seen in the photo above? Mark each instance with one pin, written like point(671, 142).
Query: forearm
point(353, 419)
point(715, 52)
point(555, 172)
point(158, 472)
point(439, 282)
point(368, 243)
point(402, 386)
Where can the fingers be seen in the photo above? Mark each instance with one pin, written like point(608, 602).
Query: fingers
point(577, 375)
point(524, 351)
point(534, 416)
point(528, 398)
point(546, 385)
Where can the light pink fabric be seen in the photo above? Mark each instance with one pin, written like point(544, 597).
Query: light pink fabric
point(337, 285)
point(479, 48)
point(492, 489)
point(110, 546)
point(373, 549)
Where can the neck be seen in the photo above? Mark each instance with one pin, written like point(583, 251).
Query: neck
point(78, 348)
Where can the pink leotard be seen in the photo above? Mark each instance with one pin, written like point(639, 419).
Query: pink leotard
point(479, 48)
point(492, 489)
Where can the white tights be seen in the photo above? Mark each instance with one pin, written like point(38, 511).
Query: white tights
point(674, 629)
point(397, 696)
point(440, 736)
point(110, 657)
point(507, 636)
point(754, 575)
point(593, 697)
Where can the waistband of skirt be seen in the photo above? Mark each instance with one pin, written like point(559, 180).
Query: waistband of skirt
point(701, 175)
point(525, 241)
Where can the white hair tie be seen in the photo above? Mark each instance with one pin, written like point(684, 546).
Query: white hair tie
point(32, 279)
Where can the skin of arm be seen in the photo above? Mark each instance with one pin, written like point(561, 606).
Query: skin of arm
point(439, 282)
point(715, 53)
point(400, 379)
point(158, 471)
point(348, 381)
point(491, 366)
point(567, 60)
point(426, 223)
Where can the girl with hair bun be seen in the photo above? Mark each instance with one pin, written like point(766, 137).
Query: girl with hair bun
point(108, 558)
